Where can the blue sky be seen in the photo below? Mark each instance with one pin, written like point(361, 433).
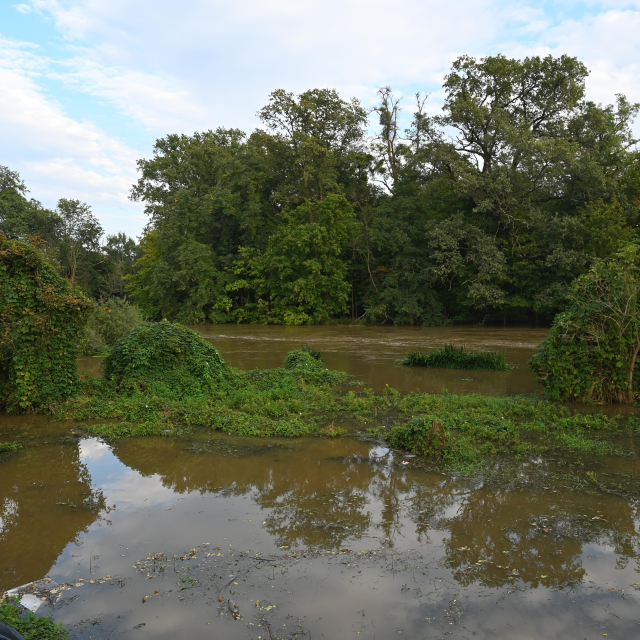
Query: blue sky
point(87, 86)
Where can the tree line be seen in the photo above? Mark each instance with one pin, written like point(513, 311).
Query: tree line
point(485, 213)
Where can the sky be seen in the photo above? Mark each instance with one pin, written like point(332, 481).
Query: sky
point(88, 86)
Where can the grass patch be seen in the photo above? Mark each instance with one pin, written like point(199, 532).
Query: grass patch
point(9, 446)
point(29, 625)
point(452, 357)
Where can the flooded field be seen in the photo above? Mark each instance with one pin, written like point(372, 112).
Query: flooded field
point(370, 353)
point(322, 538)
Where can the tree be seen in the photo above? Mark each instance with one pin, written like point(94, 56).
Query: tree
point(303, 271)
point(79, 242)
point(592, 350)
point(41, 320)
point(21, 218)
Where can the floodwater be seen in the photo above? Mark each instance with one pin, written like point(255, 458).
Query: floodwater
point(370, 352)
point(318, 538)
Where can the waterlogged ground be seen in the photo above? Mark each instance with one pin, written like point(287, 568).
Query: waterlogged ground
point(320, 538)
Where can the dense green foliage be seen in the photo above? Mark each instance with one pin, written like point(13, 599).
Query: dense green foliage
point(109, 321)
point(29, 625)
point(464, 430)
point(164, 358)
point(452, 357)
point(41, 320)
point(591, 352)
point(486, 212)
point(9, 446)
point(69, 237)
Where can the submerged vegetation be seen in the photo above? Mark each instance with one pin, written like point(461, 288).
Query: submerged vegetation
point(165, 380)
point(452, 357)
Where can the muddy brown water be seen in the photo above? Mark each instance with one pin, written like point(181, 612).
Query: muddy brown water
point(318, 538)
point(370, 353)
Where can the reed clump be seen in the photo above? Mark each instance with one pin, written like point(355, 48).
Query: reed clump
point(454, 357)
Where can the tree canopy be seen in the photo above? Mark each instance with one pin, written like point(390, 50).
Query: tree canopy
point(486, 212)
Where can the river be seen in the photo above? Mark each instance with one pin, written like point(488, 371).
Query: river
point(322, 538)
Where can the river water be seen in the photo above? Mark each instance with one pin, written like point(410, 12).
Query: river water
point(321, 538)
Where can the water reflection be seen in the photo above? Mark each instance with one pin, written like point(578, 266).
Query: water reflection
point(432, 546)
point(46, 501)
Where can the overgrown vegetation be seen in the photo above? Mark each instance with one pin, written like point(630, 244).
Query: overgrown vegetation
point(304, 398)
point(29, 625)
point(109, 321)
point(41, 320)
point(165, 359)
point(453, 357)
point(592, 350)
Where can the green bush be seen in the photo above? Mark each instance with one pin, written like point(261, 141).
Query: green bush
point(304, 359)
point(166, 359)
point(41, 320)
point(29, 625)
point(452, 357)
point(109, 322)
point(592, 348)
point(425, 436)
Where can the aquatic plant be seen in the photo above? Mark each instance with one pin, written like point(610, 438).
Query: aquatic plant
point(166, 359)
point(453, 357)
point(9, 446)
point(41, 320)
point(592, 348)
point(28, 624)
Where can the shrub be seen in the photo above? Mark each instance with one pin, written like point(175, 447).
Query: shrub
point(425, 436)
point(592, 348)
point(41, 319)
point(109, 322)
point(452, 357)
point(29, 625)
point(304, 359)
point(166, 359)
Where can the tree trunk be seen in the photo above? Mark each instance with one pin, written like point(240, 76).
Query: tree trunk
point(632, 366)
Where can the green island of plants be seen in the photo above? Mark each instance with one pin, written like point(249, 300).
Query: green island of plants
point(453, 357)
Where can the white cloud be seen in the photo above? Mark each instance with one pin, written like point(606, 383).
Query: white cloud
point(22, 8)
point(56, 155)
point(159, 66)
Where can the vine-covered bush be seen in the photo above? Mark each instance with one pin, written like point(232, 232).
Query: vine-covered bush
point(592, 349)
point(304, 359)
point(41, 319)
point(165, 358)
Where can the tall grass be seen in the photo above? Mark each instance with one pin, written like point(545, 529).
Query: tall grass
point(452, 357)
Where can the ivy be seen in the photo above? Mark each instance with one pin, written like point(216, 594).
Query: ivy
point(592, 350)
point(41, 319)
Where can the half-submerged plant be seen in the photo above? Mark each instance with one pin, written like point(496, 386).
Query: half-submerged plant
point(453, 357)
